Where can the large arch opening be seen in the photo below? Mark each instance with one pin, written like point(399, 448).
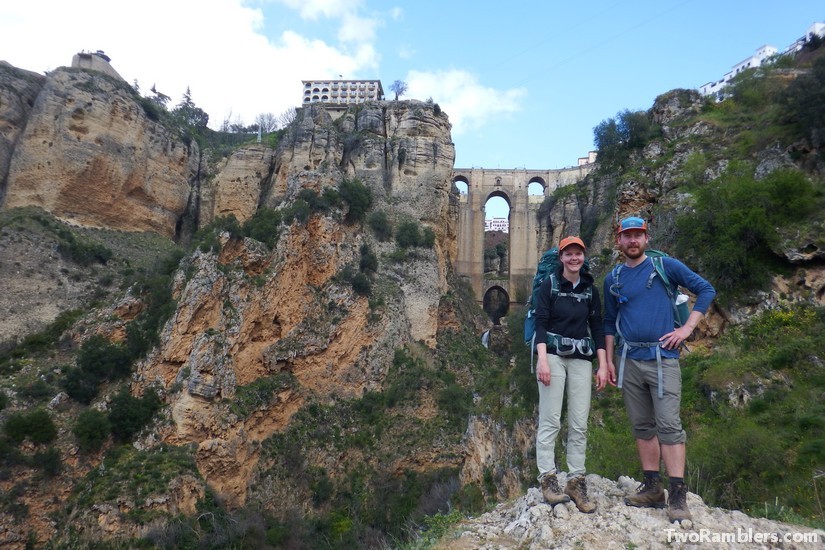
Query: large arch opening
point(496, 303)
point(497, 255)
point(536, 187)
point(461, 185)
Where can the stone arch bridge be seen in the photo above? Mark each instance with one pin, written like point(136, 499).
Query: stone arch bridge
point(524, 238)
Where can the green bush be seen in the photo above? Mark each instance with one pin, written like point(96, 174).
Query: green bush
point(369, 261)
point(408, 235)
point(36, 426)
point(263, 226)
point(731, 231)
point(85, 253)
point(104, 359)
point(804, 99)
point(48, 461)
point(80, 385)
point(128, 415)
point(361, 285)
point(428, 238)
point(357, 197)
point(91, 430)
point(380, 225)
point(206, 238)
point(298, 210)
point(38, 390)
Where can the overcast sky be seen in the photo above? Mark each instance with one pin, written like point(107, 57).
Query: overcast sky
point(523, 82)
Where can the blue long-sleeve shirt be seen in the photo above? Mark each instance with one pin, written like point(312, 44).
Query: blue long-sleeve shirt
point(648, 314)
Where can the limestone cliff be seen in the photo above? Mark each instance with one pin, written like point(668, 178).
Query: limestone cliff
point(249, 313)
point(89, 155)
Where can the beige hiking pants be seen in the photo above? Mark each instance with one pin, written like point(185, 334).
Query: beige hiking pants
point(576, 376)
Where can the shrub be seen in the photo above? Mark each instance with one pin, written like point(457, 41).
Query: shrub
point(84, 252)
point(37, 390)
point(37, 426)
point(80, 385)
point(298, 210)
point(380, 225)
point(357, 197)
point(408, 235)
point(91, 430)
point(369, 261)
point(263, 226)
point(731, 230)
point(428, 238)
point(49, 462)
point(361, 285)
point(128, 415)
point(331, 198)
point(104, 359)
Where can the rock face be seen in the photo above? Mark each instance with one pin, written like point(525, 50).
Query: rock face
point(529, 522)
point(18, 92)
point(89, 155)
point(249, 313)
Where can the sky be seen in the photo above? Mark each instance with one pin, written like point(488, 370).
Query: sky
point(523, 82)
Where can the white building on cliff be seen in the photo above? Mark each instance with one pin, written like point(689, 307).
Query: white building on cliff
point(759, 57)
point(341, 93)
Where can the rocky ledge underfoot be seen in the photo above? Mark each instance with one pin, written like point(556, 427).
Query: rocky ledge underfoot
point(529, 523)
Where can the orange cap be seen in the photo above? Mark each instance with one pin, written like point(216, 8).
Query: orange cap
point(567, 241)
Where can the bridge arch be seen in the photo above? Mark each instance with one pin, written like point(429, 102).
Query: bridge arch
point(496, 303)
point(525, 242)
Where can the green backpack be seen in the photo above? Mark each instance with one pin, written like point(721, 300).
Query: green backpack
point(547, 267)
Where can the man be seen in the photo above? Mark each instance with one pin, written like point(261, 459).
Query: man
point(649, 374)
point(570, 322)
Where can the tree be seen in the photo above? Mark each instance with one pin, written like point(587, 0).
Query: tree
point(267, 122)
point(160, 98)
point(189, 114)
point(616, 138)
point(805, 101)
point(399, 87)
point(287, 117)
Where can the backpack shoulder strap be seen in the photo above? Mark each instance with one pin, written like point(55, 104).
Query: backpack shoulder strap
point(659, 269)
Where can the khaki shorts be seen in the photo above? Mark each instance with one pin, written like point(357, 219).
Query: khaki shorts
point(651, 416)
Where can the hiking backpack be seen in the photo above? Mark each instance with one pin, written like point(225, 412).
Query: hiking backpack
point(547, 267)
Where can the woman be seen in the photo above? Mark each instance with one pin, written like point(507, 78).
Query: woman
point(571, 318)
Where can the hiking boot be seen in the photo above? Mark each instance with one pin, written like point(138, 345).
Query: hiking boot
point(650, 495)
point(551, 491)
point(577, 490)
point(677, 508)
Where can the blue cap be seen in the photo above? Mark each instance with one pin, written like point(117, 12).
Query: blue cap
point(632, 222)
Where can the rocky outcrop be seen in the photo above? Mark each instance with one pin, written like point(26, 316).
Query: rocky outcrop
point(89, 155)
point(529, 522)
point(18, 92)
point(238, 185)
point(249, 313)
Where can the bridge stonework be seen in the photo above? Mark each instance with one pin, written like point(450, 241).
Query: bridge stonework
point(524, 253)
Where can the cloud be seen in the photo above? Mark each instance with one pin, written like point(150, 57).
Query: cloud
point(406, 52)
point(459, 94)
point(314, 9)
point(357, 29)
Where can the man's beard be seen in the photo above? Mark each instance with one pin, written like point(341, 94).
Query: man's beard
point(635, 253)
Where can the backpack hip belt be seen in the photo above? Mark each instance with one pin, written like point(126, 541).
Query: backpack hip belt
point(568, 346)
point(659, 378)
